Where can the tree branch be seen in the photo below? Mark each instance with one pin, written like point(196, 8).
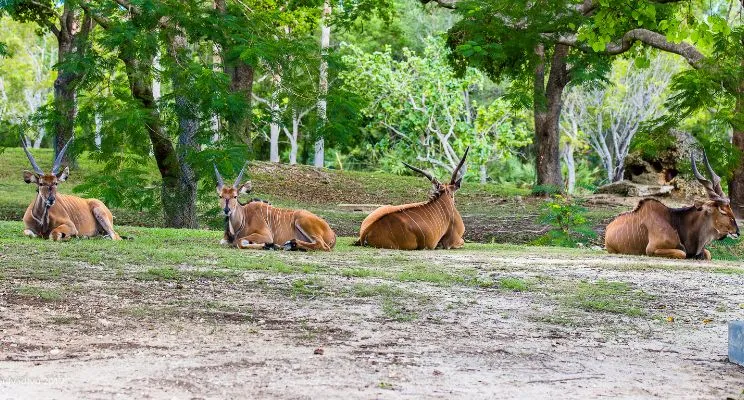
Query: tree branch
point(451, 4)
point(654, 39)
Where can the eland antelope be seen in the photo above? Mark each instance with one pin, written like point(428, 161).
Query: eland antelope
point(59, 216)
point(435, 223)
point(259, 225)
point(656, 230)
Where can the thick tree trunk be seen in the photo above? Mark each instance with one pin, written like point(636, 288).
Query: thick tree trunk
point(182, 202)
point(139, 74)
point(241, 81)
point(547, 100)
point(65, 96)
point(483, 174)
point(325, 41)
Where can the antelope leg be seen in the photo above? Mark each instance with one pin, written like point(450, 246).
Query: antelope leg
point(310, 243)
point(670, 253)
point(256, 241)
point(106, 221)
point(63, 232)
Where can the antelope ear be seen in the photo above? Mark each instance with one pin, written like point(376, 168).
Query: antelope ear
point(246, 187)
point(62, 176)
point(30, 177)
point(458, 183)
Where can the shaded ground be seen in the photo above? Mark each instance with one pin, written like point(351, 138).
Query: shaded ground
point(172, 315)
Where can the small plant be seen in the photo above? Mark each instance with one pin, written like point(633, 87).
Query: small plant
point(567, 217)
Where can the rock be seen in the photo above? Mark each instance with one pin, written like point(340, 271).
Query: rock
point(631, 189)
point(319, 351)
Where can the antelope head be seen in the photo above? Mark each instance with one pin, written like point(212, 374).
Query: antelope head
point(717, 207)
point(46, 183)
point(455, 181)
point(228, 195)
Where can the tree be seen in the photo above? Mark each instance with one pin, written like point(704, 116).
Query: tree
point(71, 26)
point(548, 45)
point(610, 115)
point(26, 74)
point(325, 42)
point(423, 111)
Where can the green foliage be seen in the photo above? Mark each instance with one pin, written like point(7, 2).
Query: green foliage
point(419, 110)
point(568, 220)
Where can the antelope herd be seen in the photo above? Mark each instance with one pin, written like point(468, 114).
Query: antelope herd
point(651, 228)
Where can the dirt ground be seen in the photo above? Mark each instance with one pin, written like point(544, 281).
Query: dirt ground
point(256, 335)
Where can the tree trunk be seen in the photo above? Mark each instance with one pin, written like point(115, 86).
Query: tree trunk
point(483, 174)
point(241, 81)
point(276, 120)
point(182, 202)
point(568, 158)
point(65, 97)
point(547, 101)
point(139, 74)
point(736, 184)
point(325, 41)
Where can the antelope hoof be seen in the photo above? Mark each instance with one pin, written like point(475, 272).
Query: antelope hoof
point(270, 246)
point(29, 233)
point(290, 245)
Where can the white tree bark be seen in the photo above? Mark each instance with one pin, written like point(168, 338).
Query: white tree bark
point(325, 41)
point(98, 124)
point(156, 77)
point(611, 116)
point(294, 135)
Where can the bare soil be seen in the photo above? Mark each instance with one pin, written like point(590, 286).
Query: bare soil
point(259, 334)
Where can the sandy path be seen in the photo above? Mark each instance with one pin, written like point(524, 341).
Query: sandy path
point(123, 338)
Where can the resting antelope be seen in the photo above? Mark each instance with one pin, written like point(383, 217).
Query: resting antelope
point(427, 225)
point(60, 216)
point(657, 230)
point(258, 225)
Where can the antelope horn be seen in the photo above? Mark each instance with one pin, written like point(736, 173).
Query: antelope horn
point(456, 172)
point(708, 185)
point(58, 160)
point(240, 176)
point(715, 178)
point(30, 157)
point(220, 182)
point(422, 172)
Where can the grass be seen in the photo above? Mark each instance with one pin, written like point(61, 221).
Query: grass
point(43, 294)
point(303, 187)
point(610, 297)
point(514, 284)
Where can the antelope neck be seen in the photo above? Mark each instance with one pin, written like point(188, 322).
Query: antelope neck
point(694, 230)
point(41, 208)
point(236, 217)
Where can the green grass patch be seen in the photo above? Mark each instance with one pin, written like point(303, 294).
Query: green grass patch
point(729, 271)
point(161, 274)
point(306, 287)
point(43, 294)
point(611, 297)
point(357, 272)
point(514, 284)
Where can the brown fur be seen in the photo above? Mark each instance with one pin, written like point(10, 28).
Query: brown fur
point(656, 230)
point(69, 216)
point(427, 225)
point(259, 225)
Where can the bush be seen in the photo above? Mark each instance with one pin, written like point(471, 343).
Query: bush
point(568, 220)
